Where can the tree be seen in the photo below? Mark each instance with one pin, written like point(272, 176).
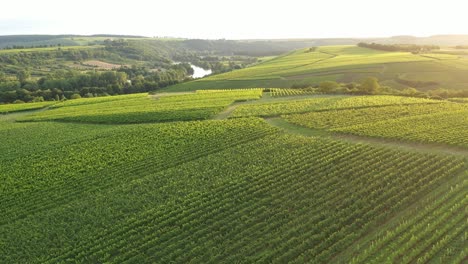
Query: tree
point(2, 76)
point(370, 85)
point(37, 99)
point(23, 76)
point(75, 96)
point(328, 86)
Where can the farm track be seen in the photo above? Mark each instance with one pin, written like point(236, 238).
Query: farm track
point(11, 117)
point(420, 147)
point(226, 112)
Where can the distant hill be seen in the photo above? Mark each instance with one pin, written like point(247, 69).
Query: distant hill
point(299, 62)
point(64, 40)
point(345, 64)
point(252, 47)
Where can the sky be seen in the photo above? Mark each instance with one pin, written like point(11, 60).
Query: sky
point(239, 19)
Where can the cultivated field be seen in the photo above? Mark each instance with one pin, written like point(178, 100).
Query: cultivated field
point(235, 176)
point(343, 64)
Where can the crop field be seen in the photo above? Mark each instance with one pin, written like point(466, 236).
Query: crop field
point(341, 64)
point(432, 123)
point(9, 108)
point(323, 103)
point(278, 92)
point(154, 179)
point(445, 127)
point(141, 108)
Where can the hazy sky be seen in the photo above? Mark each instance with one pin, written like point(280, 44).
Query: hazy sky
point(239, 19)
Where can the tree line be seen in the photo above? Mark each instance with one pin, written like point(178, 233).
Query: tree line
point(399, 47)
point(69, 84)
point(371, 85)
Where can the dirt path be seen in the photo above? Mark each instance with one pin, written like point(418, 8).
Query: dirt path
point(412, 146)
point(226, 112)
point(11, 117)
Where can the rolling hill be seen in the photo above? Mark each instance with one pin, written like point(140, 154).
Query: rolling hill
point(345, 64)
point(234, 176)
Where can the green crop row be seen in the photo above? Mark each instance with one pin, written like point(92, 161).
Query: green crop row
point(412, 233)
point(324, 103)
point(142, 109)
point(444, 127)
point(150, 195)
point(280, 92)
point(9, 108)
point(303, 208)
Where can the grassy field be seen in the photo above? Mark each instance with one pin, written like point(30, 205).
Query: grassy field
point(153, 179)
point(6, 51)
point(342, 64)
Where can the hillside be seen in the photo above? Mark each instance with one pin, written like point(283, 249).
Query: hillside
point(234, 176)
point(28, 41)
point(345, 64)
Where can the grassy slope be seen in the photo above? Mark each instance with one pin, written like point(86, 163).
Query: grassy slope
point(343, 64)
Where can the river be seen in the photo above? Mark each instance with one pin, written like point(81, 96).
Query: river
point(199, 72)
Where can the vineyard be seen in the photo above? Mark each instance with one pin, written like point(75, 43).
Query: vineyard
point(78, 186)
point(10, 108)
point(142, 109)
point(341, 64)
point(323, 103)
point(278, 92)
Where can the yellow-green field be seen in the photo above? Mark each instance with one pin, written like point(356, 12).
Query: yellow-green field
point(342, 64)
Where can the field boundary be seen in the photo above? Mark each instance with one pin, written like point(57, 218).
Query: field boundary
point(406, 145)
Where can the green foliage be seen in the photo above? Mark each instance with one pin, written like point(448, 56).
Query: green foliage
point(441, 122)
point(328, 86)
point(167, 192)
point(21, 106)
point(399, 47)
point(344, 64)
point(139, 108)
point(323, 104)
point(23, 76)
point(370, 85)
point(277, 92)
point(231, 191)
point(438, 127)
point(75, 96)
